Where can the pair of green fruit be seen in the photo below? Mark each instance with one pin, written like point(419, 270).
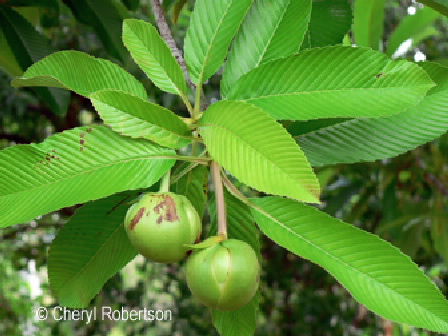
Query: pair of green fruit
point(224, 276)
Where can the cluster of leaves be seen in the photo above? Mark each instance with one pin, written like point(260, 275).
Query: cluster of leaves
point(379, 108)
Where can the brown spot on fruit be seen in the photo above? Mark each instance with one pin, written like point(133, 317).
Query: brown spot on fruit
point(166, 209)
point(136, 218)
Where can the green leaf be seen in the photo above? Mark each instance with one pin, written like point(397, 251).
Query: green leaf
point(153, 55)
point(167, 4)
point(106, 17)
point(368, 25)
point(438, 74)
point(439, 227)
point(410, 238)
point(330, 21)
point(333, 82)
point(410, 27)
point(178, 6)
point(439, 234)
point(377, 274)
point(270, 30)
point(439, 5)
point(90, 248)
point(193, 186)
point(257, 150)
point(239, 322)
point(132, 5)
point(212, 27)
point(29, 46)
point(8, 61)
point(360, 140)
point(441, 61)
point(429, 31)
point(132, 116)
point(27, 3)
point(74, 166)
point(79, 72)
point(240, 222)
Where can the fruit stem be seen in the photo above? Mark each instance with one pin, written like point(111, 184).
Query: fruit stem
point(165, 182)
point(219, 195)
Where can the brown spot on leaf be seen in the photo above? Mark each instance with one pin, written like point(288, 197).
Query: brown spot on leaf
point(166, 209)
point(89, 129)
point(136, 218)
point(48, 158)
point(81, 141)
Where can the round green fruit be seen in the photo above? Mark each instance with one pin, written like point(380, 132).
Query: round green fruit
point(160, 224)
point(224, 276)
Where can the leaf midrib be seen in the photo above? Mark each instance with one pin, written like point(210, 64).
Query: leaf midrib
point(72, 176)
point(298, 93)
point(268, 42)
point(274, 219)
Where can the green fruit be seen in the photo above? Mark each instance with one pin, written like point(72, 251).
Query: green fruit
point(224, 276)
point(160, 224)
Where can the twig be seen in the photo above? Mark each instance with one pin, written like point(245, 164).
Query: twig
point(167, 36)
